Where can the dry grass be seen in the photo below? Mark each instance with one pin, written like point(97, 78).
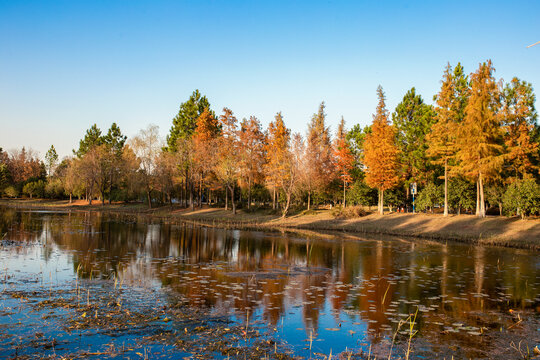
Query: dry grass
point(501, 231)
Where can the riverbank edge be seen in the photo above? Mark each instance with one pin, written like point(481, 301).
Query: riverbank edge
point(491, 231)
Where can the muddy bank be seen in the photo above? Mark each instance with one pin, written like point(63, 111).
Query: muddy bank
point(498, 231)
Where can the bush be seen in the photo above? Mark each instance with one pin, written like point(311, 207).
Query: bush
point(54, 189)
point(11, 192)
point(348, 212)
point(522, 198)
point(461, 194)
point(34, 188)
point(429, 196)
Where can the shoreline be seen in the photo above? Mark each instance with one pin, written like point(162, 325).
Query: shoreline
point(492, 231)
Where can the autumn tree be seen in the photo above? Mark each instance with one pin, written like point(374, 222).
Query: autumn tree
point(519, 124)
point(450, 105)
point(251, 152)
point(166, 173)
point(204, 147)
point(24, 165)
point(185, 122)
point(227, 167)
point(381, 153)
point(277, 145)
point(480, 135)
point(289, 171)
point(344, 158)
point(319, 154)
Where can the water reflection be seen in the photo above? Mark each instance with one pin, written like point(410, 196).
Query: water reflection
point(357, 289)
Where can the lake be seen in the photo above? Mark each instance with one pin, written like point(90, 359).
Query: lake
point(95, 285)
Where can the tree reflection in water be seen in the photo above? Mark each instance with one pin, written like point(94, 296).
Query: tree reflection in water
point(360, 289)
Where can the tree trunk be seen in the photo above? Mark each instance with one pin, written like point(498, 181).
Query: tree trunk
point(200, 194)
point(445, 187)
point(477, 197)
point(500, 208)
point(149, 198)
point(70, 197)
point(309, 199)
point(249, 193)
point(186, 187)
point(233, 204)
point(226, 199)
point(274, 199)
point(344, 194)
point(381, 202)
point(482, 201)
point(286, 206)
point(191, 199)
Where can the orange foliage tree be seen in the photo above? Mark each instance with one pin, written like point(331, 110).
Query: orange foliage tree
point(381, 153)
point(449, 114)
point(252, 152)
point(204, 145)
point(227, 168)
point(277, 146)
point(480, 135)
point(519, 120)
point(344, 158)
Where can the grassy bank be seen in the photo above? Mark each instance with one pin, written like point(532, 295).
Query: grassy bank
point(500, 231)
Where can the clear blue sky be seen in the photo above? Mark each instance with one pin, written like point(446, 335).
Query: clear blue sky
point(68, 64)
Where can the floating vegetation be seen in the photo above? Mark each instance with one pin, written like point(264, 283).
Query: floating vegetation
point(88, 286)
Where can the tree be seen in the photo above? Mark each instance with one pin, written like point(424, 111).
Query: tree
point(413, 120)
point(204, 147)
point(70, 178)
point(381, 153)
point(146, 145)
point(227, 168)
point(185, 122)
point(290, 169)
point(428, 197)
point(166, 173)
point(24, 165)
point(91, 138)
point(480, 135)
point(277, 145)
point(449, 114)
point(51, 158)
point(252, 144)
point(461, 194)
point(519, 123)
point(114, 143)
point(344, 158)
point(523, 197)
point(319, 154)
point(87, 171)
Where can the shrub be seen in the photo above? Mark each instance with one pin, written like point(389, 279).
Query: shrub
point(429, 196)
point(348, 212)
point(522, 198)
point(10, 191)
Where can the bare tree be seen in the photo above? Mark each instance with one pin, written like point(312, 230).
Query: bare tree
point(146, 145)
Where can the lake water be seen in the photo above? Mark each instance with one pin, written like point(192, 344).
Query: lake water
point(105, 285)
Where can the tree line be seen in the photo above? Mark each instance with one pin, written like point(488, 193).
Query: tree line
point(476, 149)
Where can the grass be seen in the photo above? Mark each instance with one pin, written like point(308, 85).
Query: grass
point(495, 230)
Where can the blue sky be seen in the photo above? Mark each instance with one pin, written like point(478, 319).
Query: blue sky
point(65, 65)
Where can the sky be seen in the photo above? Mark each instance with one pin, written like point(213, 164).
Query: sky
point(65, 65)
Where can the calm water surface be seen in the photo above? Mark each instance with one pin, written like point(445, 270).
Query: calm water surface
point(312, 294)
